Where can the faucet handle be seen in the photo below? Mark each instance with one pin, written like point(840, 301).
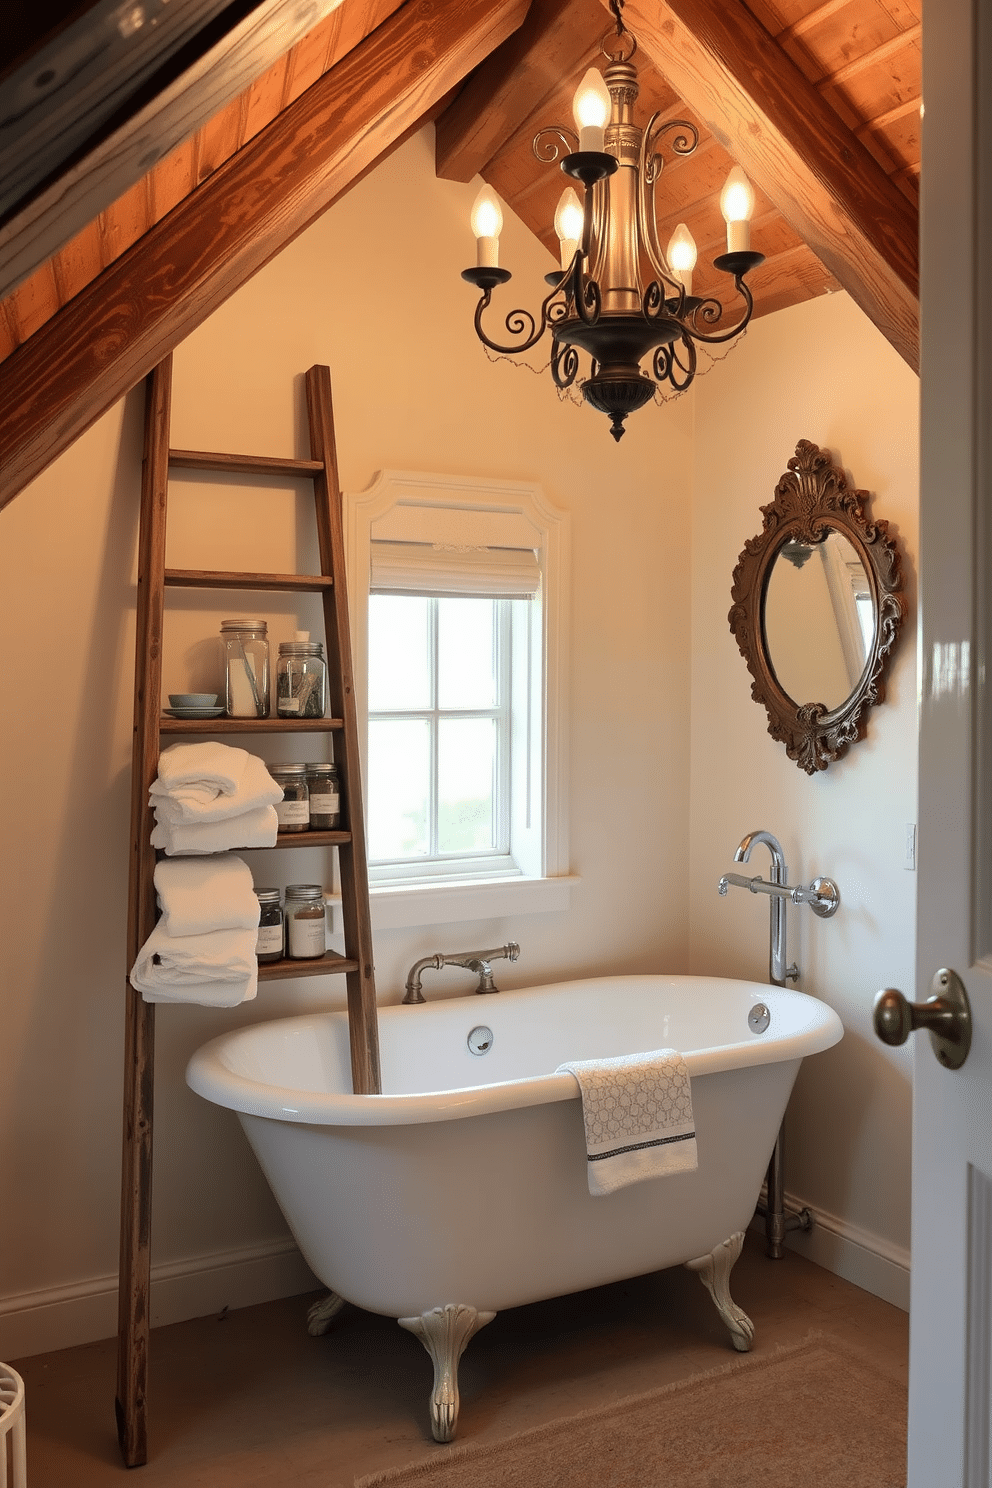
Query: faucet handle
point(822, 896)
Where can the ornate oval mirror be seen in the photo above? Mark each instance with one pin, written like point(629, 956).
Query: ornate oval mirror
point(817, 609)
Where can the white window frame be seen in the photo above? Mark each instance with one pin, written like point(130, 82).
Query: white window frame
point(447, 510)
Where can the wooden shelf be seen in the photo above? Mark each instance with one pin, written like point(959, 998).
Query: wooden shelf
point(249, 725)
point(327, 965)
point(243, 464)
point(312, 839)
point(213, 578)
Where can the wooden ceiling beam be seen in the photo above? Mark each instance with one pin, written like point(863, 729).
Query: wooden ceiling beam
point(508, 87)
point(110, 336)
point(793, 145)
point(80, 188)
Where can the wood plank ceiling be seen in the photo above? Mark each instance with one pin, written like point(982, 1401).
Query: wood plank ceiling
point(859, 60)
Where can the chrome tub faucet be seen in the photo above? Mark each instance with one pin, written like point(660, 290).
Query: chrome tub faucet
point(822, 896)
point(478, 961)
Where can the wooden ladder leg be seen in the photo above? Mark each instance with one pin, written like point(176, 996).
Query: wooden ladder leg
point(362, 1016)
point(136, 1162)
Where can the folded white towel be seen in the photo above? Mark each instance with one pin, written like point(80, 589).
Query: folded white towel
point(182, 801)
point(197, 895)
point(637, 1112)
point(219, 969)
point(258, 828)
point(217, 767)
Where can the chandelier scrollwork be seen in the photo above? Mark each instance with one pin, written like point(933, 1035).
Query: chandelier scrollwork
point(619, 296)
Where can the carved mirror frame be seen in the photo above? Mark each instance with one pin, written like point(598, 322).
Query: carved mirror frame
point(811, 497)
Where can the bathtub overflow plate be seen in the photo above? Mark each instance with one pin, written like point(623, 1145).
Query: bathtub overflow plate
point(758, 1018)
point(480, 1040)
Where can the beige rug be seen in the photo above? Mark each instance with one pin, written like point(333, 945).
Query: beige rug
point(810, 1416)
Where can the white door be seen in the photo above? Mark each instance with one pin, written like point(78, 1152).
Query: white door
point(951, 1296)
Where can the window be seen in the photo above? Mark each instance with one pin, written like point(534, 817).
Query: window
point(457, 599)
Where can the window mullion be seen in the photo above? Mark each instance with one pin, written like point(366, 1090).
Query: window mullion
point(434, 643)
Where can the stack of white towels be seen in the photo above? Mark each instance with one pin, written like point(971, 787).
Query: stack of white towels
point(207, 798)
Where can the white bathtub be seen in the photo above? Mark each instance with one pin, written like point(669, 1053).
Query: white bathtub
point(462, 1189)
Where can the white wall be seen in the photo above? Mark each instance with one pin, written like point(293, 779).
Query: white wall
point(818, 371)
point(413, 389)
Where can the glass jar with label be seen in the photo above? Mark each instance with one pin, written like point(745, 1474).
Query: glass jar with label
point(301, 678)
point(269, 946)
point(305, 921)
point(293, 810)
point(325, 798)
point(246, 668)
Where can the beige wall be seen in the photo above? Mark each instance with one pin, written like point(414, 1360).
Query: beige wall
point(819, 371)
point(386, 310)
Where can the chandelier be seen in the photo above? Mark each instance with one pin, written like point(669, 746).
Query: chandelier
point(618, 296)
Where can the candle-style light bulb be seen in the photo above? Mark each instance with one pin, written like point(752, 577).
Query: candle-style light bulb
point(568, 224)
point(682, 256)
point(591, 108)
point(487, 224)
point(737, 206)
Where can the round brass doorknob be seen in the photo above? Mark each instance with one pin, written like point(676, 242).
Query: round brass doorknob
point(946, 1015)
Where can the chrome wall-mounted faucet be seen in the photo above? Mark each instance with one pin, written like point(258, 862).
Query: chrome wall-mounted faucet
point(823, 898)
point(477, 961)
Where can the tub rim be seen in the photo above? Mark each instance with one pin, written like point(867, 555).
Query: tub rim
point(210, 1077)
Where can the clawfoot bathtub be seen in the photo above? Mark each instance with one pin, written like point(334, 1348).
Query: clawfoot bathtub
point(462, 1189)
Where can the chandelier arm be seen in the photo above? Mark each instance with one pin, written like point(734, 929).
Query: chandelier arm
point(546, 146)
point(517, 322)
point(735, 330)
point(689, 367)
point(564, 364)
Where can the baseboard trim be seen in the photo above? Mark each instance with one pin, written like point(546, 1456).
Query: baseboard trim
point(85, 1311)
point(865, 1259)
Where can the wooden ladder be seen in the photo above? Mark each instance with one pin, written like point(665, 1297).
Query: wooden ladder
point(149, 725)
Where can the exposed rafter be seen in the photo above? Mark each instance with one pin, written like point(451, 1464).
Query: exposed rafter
point(775, 124)
point(509, 85)
point(102, 342)
point(111, 163)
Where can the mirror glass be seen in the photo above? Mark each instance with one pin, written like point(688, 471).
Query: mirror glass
point(818, 620)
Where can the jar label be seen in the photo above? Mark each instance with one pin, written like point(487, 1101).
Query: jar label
point(306, 933)
point(292, 813)
point(269, 940)
point(324, 805)
point(289, 705)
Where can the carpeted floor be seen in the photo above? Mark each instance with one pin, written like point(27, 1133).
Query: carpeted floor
point(815, 1412)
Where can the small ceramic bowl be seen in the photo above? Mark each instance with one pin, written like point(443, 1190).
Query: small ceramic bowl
point(192, 699)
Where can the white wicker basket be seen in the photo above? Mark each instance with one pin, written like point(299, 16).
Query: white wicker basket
point(13, 1456)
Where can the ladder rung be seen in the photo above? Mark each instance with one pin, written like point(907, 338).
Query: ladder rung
point(330, 962)
point(208, 578)
point(249, 725)
point(243, 464)
point(312, 838)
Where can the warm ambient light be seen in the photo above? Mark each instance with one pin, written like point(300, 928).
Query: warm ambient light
point(737, 206)
point(487, 224)
point(591, 108)
point(682, 256)
point(568, 225)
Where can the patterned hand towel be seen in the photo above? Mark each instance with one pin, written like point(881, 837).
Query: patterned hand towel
point(637, 1111)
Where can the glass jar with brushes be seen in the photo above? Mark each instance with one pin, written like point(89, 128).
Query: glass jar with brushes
point(305, 921)
point(301, 678)
point(246, 668)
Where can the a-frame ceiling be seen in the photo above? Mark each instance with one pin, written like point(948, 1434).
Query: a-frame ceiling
point(258, 121)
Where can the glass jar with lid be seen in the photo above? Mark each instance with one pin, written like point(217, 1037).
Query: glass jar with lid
point(269, 946)
point(293, 810)
point(305, 921)
point(301, 678)
point(325, 798)
point(246, 668)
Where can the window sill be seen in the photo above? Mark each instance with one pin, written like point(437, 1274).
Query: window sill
point(397, 908)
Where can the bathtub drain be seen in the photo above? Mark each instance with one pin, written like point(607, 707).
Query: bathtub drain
point(480, 1040)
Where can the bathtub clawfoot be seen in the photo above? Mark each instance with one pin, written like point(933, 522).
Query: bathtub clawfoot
point(320, 1315)
point(714, 1272)
point(444, 1332)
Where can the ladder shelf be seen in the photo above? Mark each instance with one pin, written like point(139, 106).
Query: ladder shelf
point(149, 728)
